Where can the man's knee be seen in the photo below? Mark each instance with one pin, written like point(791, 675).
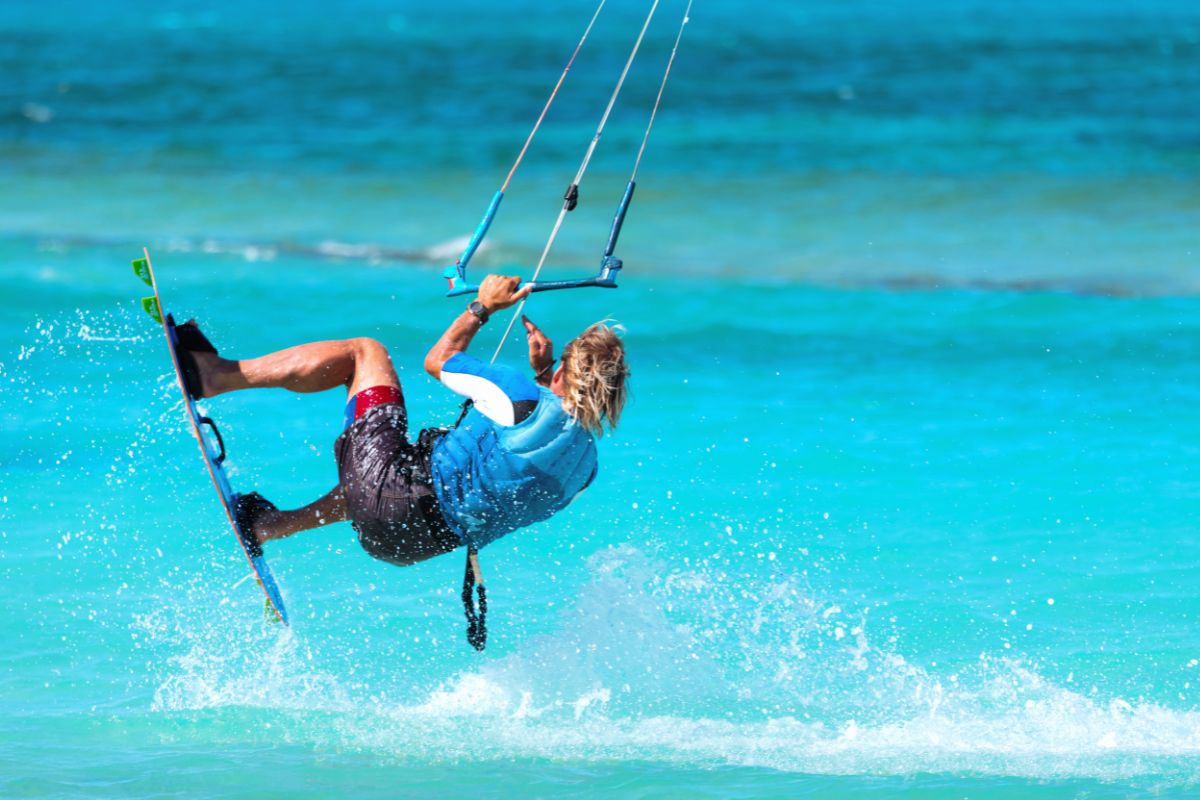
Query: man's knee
point(368, 350)
point(372, 365)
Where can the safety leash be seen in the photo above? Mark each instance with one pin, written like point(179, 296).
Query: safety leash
point(476, 620)
point(472, 578)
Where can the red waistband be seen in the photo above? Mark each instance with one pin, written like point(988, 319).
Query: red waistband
point(367, 399)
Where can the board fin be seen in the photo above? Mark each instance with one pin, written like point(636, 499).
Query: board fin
point(269, 612)
point(150, 306)
point(142, 269)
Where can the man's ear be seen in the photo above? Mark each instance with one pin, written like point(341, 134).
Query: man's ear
point(556, 381)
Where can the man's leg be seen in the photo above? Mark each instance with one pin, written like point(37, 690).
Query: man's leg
point(354, 363)
point(279, 524)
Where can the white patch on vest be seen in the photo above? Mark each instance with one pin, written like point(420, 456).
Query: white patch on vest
point(490, 400)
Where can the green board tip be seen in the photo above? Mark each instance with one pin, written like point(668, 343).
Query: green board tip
point(150, 306)
point(141, 268)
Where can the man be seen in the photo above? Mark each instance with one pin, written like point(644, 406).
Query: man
point(522, 452)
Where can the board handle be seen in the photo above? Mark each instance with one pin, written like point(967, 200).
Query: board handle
point(221, 442)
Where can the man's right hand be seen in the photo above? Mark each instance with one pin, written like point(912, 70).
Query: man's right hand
point(500, 291)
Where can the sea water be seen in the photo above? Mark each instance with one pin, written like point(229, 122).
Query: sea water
point(904, 501)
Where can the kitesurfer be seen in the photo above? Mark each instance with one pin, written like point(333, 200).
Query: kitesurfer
point(521, 451)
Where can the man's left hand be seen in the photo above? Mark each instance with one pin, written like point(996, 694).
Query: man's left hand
point(541, 351)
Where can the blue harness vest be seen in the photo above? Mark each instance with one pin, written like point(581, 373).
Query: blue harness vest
point(492, 479)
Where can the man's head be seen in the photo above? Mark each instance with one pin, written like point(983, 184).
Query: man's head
point(592, 378)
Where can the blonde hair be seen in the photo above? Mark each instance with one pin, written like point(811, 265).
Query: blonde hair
point(594, 375)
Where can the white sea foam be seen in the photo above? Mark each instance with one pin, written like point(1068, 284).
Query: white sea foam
point(348, 250)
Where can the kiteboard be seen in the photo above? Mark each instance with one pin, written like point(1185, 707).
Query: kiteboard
point(212, 448)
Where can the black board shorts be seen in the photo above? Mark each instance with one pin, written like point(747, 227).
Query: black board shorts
point(388, 488)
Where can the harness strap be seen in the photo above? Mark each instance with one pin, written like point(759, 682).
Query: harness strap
point(476, 621)
point(466, 406)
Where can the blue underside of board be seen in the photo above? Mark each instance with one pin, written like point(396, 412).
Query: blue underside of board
point(212, 456)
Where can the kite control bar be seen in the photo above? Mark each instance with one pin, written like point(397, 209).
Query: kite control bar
point(606, 278)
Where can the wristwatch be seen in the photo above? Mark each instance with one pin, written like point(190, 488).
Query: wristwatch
point(480, 310)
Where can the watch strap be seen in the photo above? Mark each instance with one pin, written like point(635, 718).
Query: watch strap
point(480, 310)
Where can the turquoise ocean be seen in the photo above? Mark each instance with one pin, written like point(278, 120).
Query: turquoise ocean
point(905, 501)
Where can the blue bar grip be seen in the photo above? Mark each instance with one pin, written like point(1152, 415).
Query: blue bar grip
point(604, 281)
point(458, 273)
point(619, 220)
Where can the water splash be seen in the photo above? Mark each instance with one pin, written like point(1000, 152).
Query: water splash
point(652, 662)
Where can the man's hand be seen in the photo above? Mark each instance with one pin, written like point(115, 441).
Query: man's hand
point(541, 351)
point(496, 292)
point(500, 291)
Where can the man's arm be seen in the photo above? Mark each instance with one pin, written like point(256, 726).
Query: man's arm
point(497, 292)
